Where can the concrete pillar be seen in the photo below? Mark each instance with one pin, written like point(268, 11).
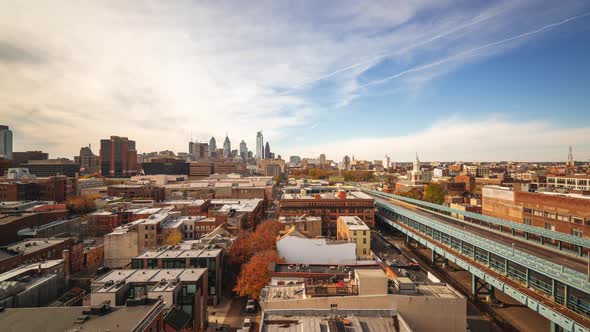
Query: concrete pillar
point(542, 240)
point(559, 245)
point(553, 327)
point(526, 275)
point(553, 289)
point(488, 258)
point(526, 235)
point(565, 295)
point(512, 231)
point(580, 251)
point(474, 280)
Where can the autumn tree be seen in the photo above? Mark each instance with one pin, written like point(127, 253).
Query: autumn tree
point(255, 274)
point(248, 243)
point(173, 238)
point(81, 204)
point(435, 193)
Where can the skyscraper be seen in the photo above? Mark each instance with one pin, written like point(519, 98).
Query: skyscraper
point(243, 150)
point(386, 162)
point(345, 163)
point(212, 148)
point(226, 147)
point(198, 151)
point(322, 159)
point(267, 151)
point(89, 162)
point(259, 146)
point(5, 142)
point(118, 157)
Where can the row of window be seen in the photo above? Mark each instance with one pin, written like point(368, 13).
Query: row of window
point(560, 217)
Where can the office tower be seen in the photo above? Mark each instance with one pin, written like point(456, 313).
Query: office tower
point(345, 163)
point(89, 162)
point(226, 147)
point(267, 151)
point(386, 162)
point(5, 142)
point(322, 159)
point(259, 145)
point(198, 151)
point(118, 157)
point(243, 150)
point(212, 148)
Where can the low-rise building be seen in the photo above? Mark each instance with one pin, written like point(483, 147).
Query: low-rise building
point(296, 248)
point(136, 191)
point(185, 255)
point(32, 285)
point(353, 229)
point(32, 250)
point(329, 206)
point(309, 226)
point(102, 222)
point(10, 224)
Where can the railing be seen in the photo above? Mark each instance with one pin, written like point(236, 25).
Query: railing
point(566, 238)
point(558, 272)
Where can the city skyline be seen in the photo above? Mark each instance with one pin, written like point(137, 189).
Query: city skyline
point(476, 81)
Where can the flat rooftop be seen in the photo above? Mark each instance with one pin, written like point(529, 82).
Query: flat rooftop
point(32, 245)
point(148, 276)
point(354, 223)
point(119, 319)
point(332, 320)
point(327, 195)
point(181, 253)
point(328, 269)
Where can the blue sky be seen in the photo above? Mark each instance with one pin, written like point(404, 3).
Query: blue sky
point(452, 80)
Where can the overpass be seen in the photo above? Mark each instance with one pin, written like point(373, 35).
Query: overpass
point(544, 270)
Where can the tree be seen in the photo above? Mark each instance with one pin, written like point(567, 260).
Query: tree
point(435, 193)
point(81, 204)
point(249, 243)
point(255, 274)
point(173, 238)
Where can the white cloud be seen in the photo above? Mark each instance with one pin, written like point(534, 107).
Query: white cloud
point(496, 138)
point(72, 73)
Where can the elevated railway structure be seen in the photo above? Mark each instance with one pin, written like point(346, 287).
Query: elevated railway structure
point(550, 276)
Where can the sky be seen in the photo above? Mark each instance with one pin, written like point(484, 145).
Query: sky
point(449, 80)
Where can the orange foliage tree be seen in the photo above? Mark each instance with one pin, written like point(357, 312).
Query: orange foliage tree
point(249, 243)
point(255, 274)
point(81, 204)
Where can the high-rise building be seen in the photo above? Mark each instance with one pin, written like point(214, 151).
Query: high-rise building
point(322, 159)
point(294, 159)
point(243, 150)
point(212, 148)
point(198, 151)
point(5, 142)
point(267, 151)
point(88, 161)
point(259, 145)
point(118, 157)
point(386, 162)
point(226, 147)
point(23, 157)
point(345, 163)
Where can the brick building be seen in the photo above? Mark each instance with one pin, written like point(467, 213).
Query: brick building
point(566, 213)
point(11, 224)
point(102, 222)
point(329, 206)
point(118, 157)
point(57, 188)
point(136, 191)
point(32, 250)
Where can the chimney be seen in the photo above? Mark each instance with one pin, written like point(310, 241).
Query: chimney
point(342, 194)
point(65, 254)
point(318, 196)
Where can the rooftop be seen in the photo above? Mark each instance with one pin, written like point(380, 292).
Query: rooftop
point(32, 245)
point(332, 320)
point(119, 319)
point(327, 195)
point(354, 223)
point(186, 250)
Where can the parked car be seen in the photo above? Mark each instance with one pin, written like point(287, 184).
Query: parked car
point(247, 324)
point(251, 306)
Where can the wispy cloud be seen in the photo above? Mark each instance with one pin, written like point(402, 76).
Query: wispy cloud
point(157, 71)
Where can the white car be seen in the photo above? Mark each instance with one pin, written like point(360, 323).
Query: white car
point(251, 306)
point(247, 324)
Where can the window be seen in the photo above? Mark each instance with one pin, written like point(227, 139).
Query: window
point(527, 210)
point(563, 218)
point(333, 306)
point(527, 221)
point(538, 213)
point(146, 236)
point(549, 215)
point(549, 226)
point(577, 232)
point(364, 240)
point(364, 232)
point(578, 221)
point(364, 251)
